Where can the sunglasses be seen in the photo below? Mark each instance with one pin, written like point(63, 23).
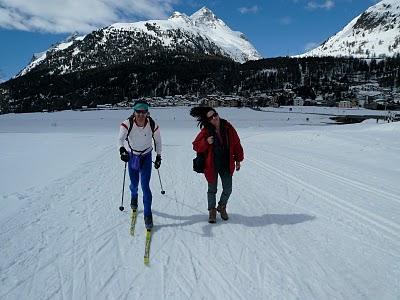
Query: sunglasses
point(214, 115)
point(141, 111)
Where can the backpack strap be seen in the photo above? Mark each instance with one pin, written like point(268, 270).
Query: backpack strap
point(153, 129)
point(152, 126)
point(131, 118)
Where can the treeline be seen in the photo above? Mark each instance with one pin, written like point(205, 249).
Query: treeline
point(190, 74)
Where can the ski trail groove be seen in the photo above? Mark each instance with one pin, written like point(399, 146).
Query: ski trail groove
point(342, 179)
point(327, 218)
point(371, 218)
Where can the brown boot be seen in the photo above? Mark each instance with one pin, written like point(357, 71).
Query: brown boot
point(212, 215)
point(222, 210)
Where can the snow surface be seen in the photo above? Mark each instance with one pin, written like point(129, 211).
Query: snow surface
point(314, 212)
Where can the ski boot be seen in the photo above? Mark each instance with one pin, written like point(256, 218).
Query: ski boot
point(222, 210)
point(134, 204)
point(148, 222)
point(212, 215)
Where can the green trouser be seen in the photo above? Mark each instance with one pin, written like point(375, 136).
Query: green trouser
point(226, 180)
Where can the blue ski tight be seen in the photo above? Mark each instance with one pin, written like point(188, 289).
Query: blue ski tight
point(144, 171)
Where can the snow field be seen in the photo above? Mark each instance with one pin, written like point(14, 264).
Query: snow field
point(313, 213)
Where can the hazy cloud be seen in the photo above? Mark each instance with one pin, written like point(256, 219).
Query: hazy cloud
point(326, 4)
point(77, 15)
point(310, 45)
point(249, 10)
point(285, 20)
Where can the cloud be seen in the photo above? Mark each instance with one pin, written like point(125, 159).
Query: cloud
point(249, 10)
point(285, 20)
point(311, 45)
point(60, 16)
point(327, 4)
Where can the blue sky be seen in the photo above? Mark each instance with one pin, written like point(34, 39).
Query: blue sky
point(274, 27)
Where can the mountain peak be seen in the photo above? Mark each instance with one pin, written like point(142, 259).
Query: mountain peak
point(204, 16)
point(204, 11)
point(176, 15)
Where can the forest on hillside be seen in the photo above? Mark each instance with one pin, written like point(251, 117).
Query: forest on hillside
point(191, 74)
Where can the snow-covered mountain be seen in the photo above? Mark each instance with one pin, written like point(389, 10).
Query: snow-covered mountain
point(38, 58)
point(202, 33)
point(374, 33)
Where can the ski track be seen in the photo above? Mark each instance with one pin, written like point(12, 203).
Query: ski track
point(72, 242)
point(374, 219)
point(340, 179)
point(352, 228)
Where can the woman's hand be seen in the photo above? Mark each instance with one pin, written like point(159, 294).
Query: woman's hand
point(237, 165)
point(210, 140)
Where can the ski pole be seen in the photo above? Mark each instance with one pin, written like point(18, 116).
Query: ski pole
point(121, 208)
point(159, 177)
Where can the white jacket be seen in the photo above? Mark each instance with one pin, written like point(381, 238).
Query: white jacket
point(140, 138)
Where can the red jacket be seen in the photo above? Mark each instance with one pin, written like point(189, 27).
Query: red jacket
point(201, 145)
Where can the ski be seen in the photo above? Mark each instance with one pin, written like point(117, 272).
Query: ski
point(147, 247)
point(133, 222)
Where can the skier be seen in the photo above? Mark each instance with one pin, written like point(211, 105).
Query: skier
point(220, 143)
point(138, 131)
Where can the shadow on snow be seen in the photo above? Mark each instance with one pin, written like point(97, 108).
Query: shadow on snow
point(249, 221)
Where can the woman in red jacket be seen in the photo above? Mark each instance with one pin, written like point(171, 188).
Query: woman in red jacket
point(219, 142)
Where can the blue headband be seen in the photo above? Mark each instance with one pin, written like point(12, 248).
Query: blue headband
point(141, 106)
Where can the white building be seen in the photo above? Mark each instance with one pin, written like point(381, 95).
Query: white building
point(345, 104)
point(298, 101)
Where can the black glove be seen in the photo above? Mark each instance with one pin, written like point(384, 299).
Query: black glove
point(124, 154)
point(157, 163)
